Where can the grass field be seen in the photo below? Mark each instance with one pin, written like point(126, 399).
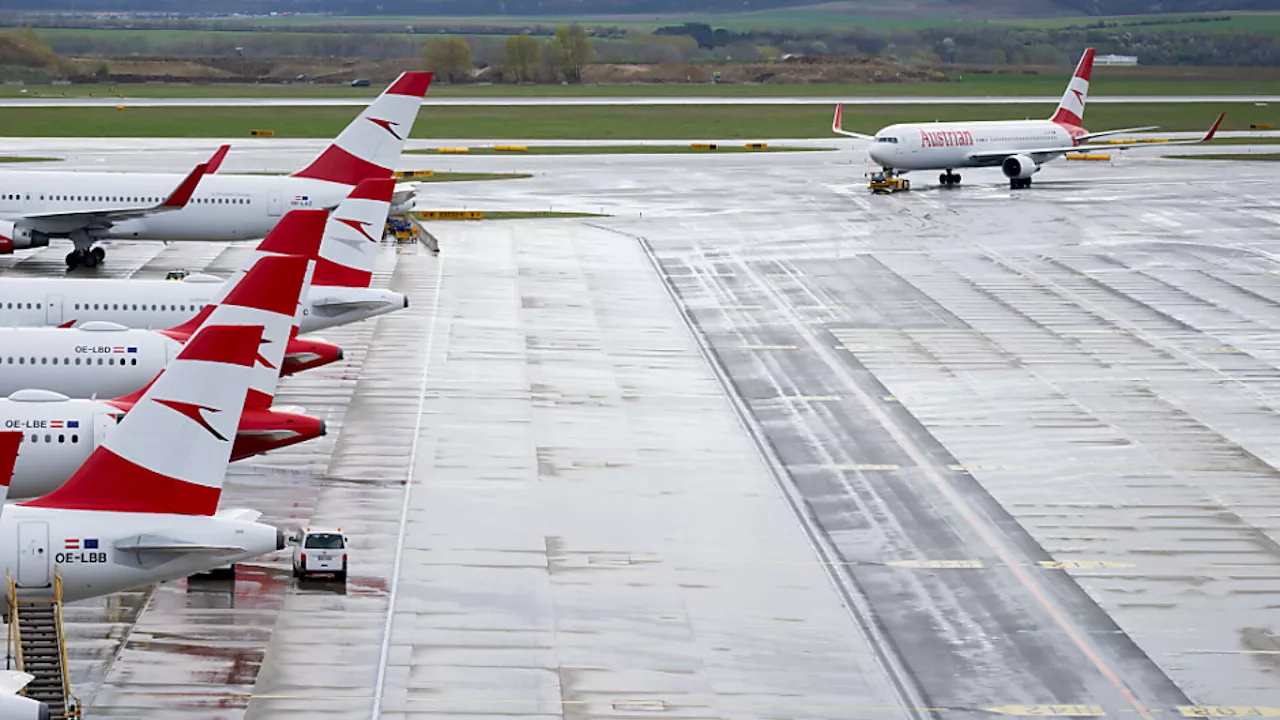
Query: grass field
point(1267, 23)
point(1262, 157)
point(833, 16)
point(1050, 84)
point(26, 159)
point(619, 150)
point(469, 177)
point(722, 122)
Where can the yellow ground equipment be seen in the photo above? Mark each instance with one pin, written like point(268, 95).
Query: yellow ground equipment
point(883, 183)
point(176, 274)
point(703, 146)
point(453, 150)
point(263, 133)
point(413, 174)
point(1087, 156)
point(511, 148)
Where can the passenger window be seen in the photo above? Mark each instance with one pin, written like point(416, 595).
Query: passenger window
point(75, 439)
point(62, 438)
point(48, 438)
point(35, 438)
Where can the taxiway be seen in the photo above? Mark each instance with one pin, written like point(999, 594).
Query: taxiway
point(760, 444)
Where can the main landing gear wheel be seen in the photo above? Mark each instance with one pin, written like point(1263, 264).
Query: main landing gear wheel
point(1019, 183)
point(87, 258)
point(949, 178)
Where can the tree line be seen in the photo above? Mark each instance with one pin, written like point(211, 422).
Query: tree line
point(525, 58)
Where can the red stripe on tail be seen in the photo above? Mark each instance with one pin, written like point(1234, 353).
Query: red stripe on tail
point(1085, 68)
point(411, 83)
point(110, 483)
point(230, 344)
point(380, 189)
point(339, 166)
point(273, 284)
point(9, 441)
point(299, 232)
point(330, 273)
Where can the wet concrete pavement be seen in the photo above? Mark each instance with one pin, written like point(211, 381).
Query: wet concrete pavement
point(763, 445)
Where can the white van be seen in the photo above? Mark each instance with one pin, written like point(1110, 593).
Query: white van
point(320, 551)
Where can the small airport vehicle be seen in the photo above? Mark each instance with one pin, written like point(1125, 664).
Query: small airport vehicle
point(883, 183)
point(320, 551)
point(176, 275)
point(401, 228)
point(360, 82)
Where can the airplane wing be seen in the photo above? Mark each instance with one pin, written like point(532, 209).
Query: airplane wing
point(105, 217)
point(215, 162)
point(838, 120)
point(994, 157)
point(1104, 133)
point(12, 681)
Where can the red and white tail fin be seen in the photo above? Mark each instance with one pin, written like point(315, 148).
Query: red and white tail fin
point(1071, 107)
point(370, 146)
point(9, 441)
point(170, 452)
point(351, 238)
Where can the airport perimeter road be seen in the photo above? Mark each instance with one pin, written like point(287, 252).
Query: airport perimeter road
point(532, 101)
point(759, 445)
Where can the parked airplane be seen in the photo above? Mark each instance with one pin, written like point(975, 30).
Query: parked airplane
point(143, 507)
point(61, 433)
point(339, 292)
point(91, 206)
point(125, 359)
point(1017, 147)
point(12, 705)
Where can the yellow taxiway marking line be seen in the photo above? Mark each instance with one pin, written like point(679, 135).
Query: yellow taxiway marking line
point(1049, 710)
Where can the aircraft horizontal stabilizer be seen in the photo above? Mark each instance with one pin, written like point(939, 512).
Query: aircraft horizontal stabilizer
point(155, 543)
point(239, 515)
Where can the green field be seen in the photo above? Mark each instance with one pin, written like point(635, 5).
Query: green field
point(26, 159)
point(984, 85)
point(602, 122)
point(840, 15)
point(469, 177)
point(1261, 157)
point(619, 150)
point(1253, 22)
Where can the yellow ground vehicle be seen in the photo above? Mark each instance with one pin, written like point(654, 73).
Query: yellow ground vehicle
point(176, 274)
point(883, 183)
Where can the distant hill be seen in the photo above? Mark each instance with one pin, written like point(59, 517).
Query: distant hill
point(603, 8)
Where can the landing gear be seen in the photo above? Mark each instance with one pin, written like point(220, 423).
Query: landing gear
point(949, 178)
point(1019, 183)
point(85, 253)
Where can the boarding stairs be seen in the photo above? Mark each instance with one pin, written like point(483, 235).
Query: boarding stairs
point(38, 646)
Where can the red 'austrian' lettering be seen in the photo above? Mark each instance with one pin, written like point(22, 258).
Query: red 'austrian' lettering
point(945, 138)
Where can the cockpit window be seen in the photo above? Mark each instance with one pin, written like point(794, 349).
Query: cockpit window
point(886, 139)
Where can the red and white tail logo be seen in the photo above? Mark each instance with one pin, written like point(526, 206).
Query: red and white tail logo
point(1071, 108)
point(170, 452)
point(370, 146)
point(9, 441)
point(351, 238)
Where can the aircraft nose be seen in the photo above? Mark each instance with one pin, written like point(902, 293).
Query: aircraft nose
point(876, 154)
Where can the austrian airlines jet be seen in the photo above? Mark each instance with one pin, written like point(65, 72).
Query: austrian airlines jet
point(60, 433)
point(90, 206)
point(339, 291)
point(124, 360)
point(1017, 147)
point(144, 507)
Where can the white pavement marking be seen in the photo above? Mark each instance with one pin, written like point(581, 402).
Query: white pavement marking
point(394, 585)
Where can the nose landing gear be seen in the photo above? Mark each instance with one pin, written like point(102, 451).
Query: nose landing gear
point(949, 178)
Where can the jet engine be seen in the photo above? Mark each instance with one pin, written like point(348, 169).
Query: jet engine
point(15, 236)
point(1019, 167)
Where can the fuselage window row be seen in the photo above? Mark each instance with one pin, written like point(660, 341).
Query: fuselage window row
point(22, 360)
point(75, 438)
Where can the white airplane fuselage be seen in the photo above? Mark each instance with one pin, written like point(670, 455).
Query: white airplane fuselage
point(949, 145)
point(105, 363)
point(224, 207)
point(101, 552)
point(161, 304)
point(58, 436)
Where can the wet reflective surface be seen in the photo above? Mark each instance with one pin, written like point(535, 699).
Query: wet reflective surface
point(762, 445)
